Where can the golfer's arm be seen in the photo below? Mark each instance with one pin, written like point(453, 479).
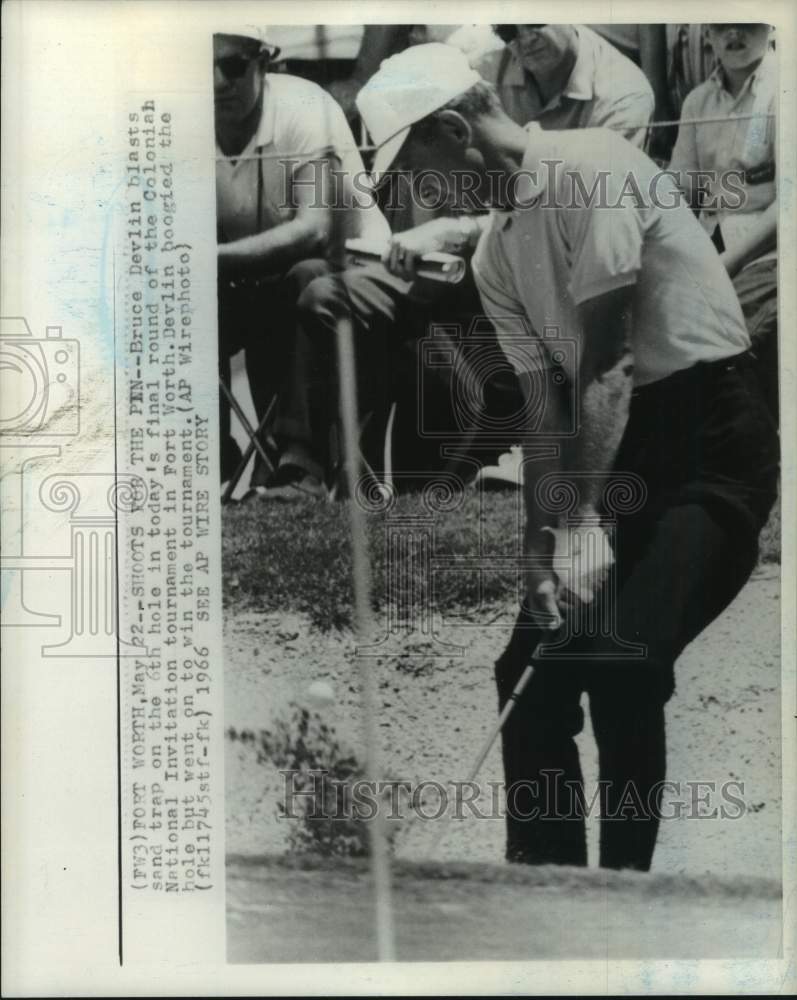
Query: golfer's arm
point(547, 431)
point(604, 390)
point(306, 235)
point(452, 235)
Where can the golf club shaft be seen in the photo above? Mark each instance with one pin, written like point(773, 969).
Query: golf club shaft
point(506, 711)
point(525, 677)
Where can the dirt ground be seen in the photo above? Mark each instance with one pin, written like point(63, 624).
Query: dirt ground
point(715, 886)
point(723, 725)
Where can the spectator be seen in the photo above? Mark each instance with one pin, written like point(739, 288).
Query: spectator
point(387, 308)
point(744, 83)
point(278, 138)
point(646, 46)
point(566, 76)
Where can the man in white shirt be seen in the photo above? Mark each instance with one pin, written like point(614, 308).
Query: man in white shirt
point(286, 199)
point(743, 84)
point(612, 304)
point(566, 76)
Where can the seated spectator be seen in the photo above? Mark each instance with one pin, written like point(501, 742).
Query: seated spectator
point(387, 306)
point(387, 302)
point(566, 76)
point(744, 83)
point(278, 138)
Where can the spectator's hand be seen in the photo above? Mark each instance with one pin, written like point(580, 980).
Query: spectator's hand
point(405, 250)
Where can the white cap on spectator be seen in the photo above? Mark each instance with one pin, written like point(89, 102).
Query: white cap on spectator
point(406, 88)
point(253, 31)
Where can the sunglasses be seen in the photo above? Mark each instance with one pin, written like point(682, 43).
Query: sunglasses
point(509, 32)
point(233, 67)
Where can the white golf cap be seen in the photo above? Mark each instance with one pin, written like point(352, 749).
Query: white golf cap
point(406, 88)
point(253, 31)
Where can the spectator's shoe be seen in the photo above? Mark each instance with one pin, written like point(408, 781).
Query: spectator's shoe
point(506, 474)
point(291, 482)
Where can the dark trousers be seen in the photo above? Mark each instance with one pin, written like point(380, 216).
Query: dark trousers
point(259, 316)
point(388, 317)
point(706, 449)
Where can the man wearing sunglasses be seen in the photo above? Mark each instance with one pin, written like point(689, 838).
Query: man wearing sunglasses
point(566, 76)
point(285, 164)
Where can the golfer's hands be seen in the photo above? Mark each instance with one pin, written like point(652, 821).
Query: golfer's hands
point(404, 251)
point(574, 564)
point(582, 560)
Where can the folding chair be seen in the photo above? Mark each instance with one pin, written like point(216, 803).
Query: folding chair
point(252, 433)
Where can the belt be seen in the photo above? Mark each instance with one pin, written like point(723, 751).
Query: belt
point(734, 362)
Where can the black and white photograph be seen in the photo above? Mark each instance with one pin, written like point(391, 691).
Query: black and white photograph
point(397, 498)
point(498, 352)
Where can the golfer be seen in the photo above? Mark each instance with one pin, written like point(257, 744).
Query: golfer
point(588, 240)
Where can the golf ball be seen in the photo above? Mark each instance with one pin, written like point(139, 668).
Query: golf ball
point(320, 693)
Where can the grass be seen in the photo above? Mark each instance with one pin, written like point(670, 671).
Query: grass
point(297, 557)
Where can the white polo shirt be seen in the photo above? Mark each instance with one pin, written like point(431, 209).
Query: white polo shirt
point(604, 89)
point(537, 264)
point(300, 122)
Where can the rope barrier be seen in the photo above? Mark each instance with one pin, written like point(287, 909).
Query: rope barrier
point(370, 148)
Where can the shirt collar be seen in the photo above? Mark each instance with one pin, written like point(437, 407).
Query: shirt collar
point(581, 85)
point(264, 135)
point(764, 72)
